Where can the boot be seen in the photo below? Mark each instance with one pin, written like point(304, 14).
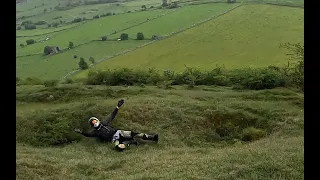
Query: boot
point(150, 137)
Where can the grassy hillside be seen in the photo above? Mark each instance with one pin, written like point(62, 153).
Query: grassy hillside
point(28, 66)
point(39, 31)
point(248, 36)
point(56, 66)
point(92, 30)
point(191, 146)
point(181, 18)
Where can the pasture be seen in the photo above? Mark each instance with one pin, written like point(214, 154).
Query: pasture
point(92, 30)
point(56, 66)
point(248, 36)
point(181, 18)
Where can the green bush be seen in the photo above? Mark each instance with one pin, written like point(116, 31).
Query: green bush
point(124, 36)
point(30, 41)
point(83, 64)
point(30, 26)
point(256, 79)
point(140, 36)
point(68, 81)
point(50, 83)
point(104, 38)
point(123, 77)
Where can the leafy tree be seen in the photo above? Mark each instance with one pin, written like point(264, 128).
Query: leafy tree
point(83, 64)
point(30, 41)
point(124, 36)
point(55, 24)
point(70, 45)
point(104, 38)
point(140, 36)
point(30, 26)
point(47, 50)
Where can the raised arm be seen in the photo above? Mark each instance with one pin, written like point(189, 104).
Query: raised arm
point(113, 114)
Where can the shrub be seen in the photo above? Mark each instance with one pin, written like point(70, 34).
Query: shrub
point(256, 79)
point(123, 76)
point(75, 56)
point(78, 19)
point(50, 83)
point(30, 41)
point(55, 24)
point(68, 81)
point(83, 64)
point(47, 50)
point(124, 36)
point(70, 45)
point(140, 36)
point(30, 26)
point(104, 38)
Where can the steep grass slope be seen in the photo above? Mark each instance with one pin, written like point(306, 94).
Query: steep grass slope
point(191, 146)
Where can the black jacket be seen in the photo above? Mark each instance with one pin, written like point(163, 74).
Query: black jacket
point(104, 131)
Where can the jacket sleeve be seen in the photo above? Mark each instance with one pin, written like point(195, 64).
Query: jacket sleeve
point(92, 133)
point(110, 117)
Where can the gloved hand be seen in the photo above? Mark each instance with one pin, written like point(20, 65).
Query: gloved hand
point(120, 102)
point(77, 130)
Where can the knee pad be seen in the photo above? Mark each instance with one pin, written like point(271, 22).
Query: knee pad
point(126, 134)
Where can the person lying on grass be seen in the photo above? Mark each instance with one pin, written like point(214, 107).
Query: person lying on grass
point(120, 138)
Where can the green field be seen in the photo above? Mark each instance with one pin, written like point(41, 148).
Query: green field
point(86, 11)
point(92, 30)
point(181, 18)
point(248, 36)
point(188, 147)
point(152, 27)
point(39, 31)
point(56, 66)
